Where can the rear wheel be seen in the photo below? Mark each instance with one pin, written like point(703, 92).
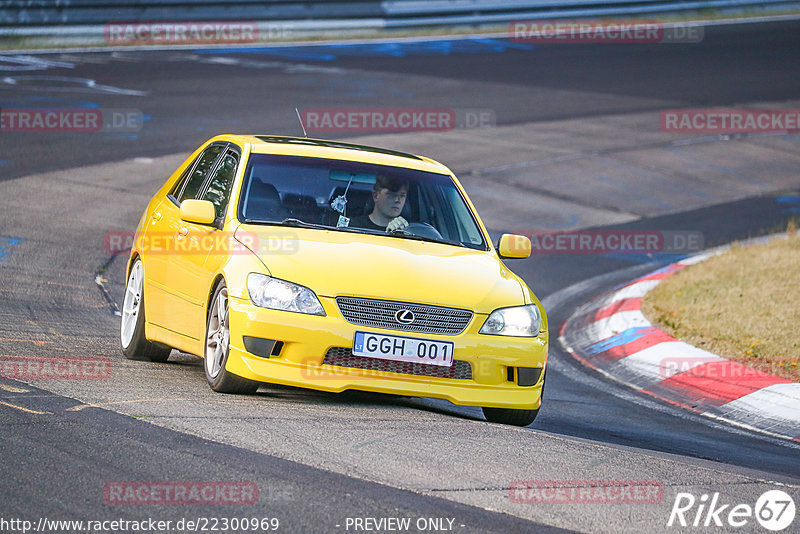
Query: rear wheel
point(218, 335)
point(134, 344)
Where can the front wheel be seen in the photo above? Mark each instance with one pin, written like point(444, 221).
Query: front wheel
point(510, 416)
point(135, 345)
point(218, 336)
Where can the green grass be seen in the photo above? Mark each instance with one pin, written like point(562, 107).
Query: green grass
point(743, 305)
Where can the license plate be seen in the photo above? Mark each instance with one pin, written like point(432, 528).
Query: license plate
point(403, 349)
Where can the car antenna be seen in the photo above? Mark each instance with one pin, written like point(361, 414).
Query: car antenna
point(301, 122)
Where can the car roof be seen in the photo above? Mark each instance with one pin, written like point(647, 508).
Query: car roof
point(321, 148)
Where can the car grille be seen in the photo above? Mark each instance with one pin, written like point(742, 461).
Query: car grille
point(381, 314)
point(343, 357)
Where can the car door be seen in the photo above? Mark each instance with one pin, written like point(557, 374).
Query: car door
point(160, 250)
point(155, 239)
point(199, 250)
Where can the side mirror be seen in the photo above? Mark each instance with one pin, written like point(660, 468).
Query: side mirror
point(198, 211)
point(511, 246)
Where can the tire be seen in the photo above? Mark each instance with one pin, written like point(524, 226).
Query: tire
point(218, 348)
point(509, 416)
point(135, 345)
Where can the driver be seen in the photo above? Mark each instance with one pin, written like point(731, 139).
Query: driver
point(389, 196)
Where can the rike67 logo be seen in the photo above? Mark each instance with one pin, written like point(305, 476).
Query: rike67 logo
point(774, 510)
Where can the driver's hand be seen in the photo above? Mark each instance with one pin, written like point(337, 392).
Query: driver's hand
point(398, 223)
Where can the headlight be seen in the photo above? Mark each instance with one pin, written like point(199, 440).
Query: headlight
point(275, 294)
point(521, 321)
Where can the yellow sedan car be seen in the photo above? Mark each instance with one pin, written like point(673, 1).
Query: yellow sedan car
point(333, 266)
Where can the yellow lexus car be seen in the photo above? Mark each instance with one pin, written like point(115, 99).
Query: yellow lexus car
point(333, 266)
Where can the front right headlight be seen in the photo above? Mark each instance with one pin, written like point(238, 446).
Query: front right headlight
point(519, 321)
point(277, 294)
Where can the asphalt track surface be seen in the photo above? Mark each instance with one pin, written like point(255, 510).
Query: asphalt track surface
point(56, 461)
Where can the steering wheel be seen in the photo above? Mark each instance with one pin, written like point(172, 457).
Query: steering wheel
point(423, 230)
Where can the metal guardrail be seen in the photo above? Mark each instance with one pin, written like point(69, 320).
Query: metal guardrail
point(314, 13)
point(445, 12)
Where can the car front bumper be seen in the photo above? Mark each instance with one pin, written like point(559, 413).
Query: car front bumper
point(306, 339)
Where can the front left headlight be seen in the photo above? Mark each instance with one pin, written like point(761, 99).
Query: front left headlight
point(268, 292)
point(520, 321)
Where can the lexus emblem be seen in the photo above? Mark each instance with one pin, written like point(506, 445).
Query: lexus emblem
point(404, 316)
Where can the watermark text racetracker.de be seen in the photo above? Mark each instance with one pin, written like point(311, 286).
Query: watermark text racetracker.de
point(603, 31)
point(586, 492)
point(614, 242)
point(70, 120)
point(55, 368)
point(192, 32)
point(730, 121)
point(715, 368)
point(364, 120)
point(180, 493)
point(201, 242)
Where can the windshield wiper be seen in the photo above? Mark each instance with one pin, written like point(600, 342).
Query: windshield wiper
point(291, 221)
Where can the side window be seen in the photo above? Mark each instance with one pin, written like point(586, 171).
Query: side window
point(219, 188)
point(198, 175)
point(176, 189)
point(467, 227)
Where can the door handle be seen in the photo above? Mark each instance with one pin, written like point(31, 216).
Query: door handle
point(183, 232)
point(157, 216)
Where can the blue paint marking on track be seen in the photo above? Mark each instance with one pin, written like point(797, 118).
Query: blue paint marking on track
point(293, 54)
point(626, 336)
point(4, 162)
point(791, 201)
point(330, 52)
point(40, 101)
point(5, 243)
point(501, 46)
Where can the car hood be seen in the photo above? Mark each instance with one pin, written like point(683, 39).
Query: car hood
point(335, 263)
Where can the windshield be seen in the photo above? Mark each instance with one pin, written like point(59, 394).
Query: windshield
point(361, 197)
